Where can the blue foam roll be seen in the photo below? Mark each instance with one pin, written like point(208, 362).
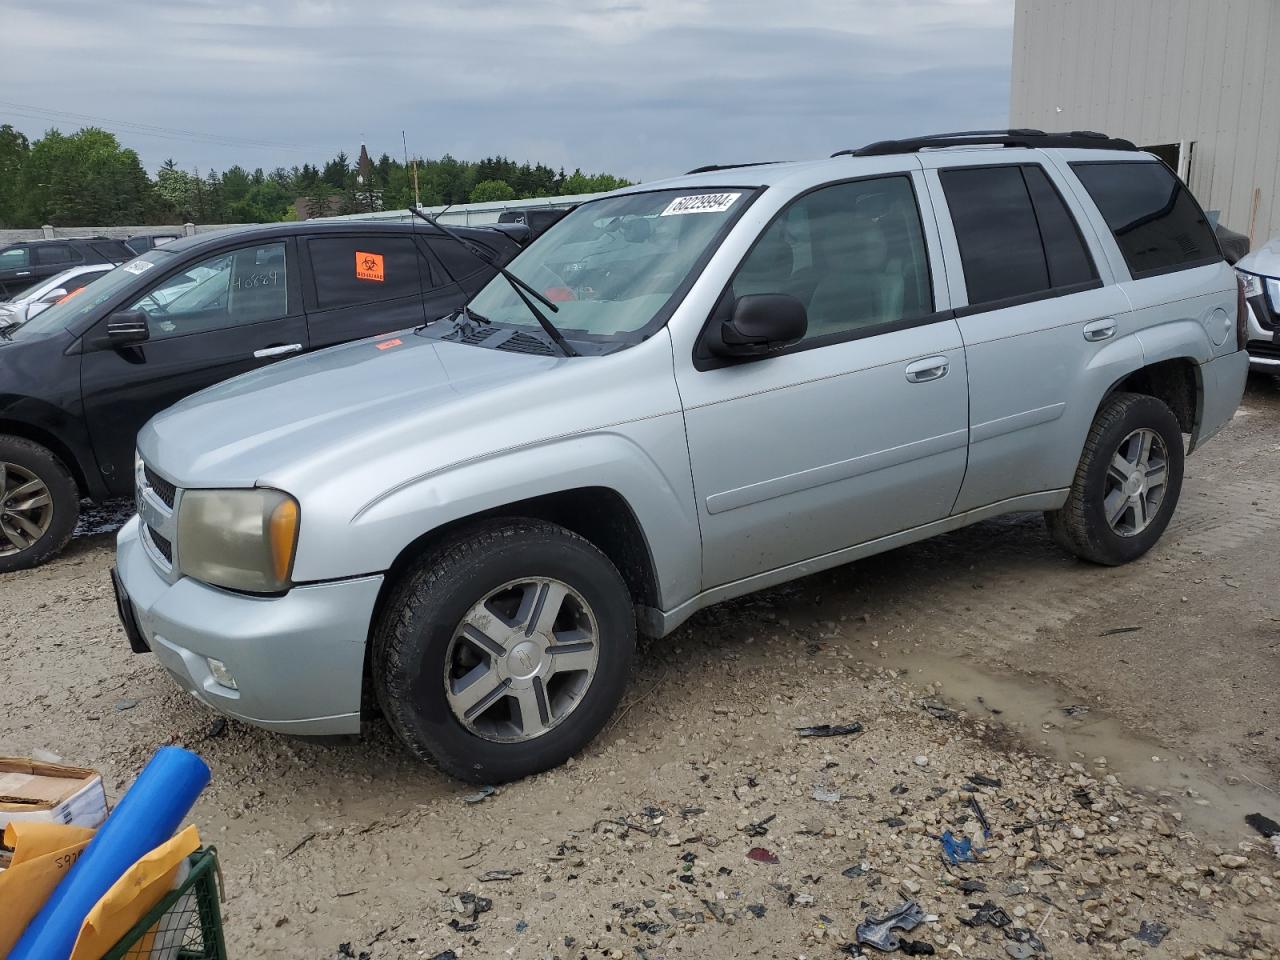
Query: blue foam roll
point(145, 817)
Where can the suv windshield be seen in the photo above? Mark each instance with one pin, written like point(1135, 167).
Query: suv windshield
point(66, 312)
point(613, 265)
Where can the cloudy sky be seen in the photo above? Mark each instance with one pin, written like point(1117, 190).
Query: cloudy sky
point(640, 88)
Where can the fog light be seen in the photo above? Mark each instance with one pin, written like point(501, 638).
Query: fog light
point(221, 673)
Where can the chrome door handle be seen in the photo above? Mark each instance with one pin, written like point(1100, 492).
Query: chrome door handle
point(279, 351)
point(930, 368)
point(1103, 329)
point(23, 273)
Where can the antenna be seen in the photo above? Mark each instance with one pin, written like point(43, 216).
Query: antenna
point(416, 201)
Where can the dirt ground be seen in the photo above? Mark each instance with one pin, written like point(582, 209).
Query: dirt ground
point(1112, 726)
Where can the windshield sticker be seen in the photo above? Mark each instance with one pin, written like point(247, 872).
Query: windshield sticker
point(369, 266)
point(700, 203)
point(138, 266)
point(388, 344)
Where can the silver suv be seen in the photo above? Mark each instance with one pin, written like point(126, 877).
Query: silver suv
point(684, 392)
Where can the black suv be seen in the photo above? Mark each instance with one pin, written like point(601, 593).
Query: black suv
point(78, 380)
point(27, 263)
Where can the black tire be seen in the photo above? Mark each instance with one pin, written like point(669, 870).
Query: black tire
point(416, 626)
point(65, 496)
point(1080, 526)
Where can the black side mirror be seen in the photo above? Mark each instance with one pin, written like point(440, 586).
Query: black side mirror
point(125, 328)
point(759, 324)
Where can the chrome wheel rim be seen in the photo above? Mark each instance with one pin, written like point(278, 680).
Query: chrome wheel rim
point(26, 509)
point(1137, 478)
point(521, 660)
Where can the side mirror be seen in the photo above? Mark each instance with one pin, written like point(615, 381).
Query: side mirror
point(759, 324)
point(125, 328)
point(53, 296)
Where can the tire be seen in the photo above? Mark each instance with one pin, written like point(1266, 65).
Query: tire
point(36, 533)
point(1081, 526)
point(421, 655)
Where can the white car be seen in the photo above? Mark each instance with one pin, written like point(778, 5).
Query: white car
point(39, 298)
point(1261, 273)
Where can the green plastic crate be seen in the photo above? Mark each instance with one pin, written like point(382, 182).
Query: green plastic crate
point(187, 922)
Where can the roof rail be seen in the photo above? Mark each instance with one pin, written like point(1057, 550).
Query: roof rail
point(1078, 139)
point(729, 166)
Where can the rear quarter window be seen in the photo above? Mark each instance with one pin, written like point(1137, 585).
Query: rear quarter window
point(1155, 220)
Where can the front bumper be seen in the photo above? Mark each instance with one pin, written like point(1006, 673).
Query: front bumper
point(1263, 346)
point(297, 659)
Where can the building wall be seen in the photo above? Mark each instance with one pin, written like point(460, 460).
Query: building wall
point(1163, 71)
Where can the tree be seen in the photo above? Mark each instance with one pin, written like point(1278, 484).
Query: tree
point(317, 199)
point(489, 191)
point(84, 178)
point(336, 172)
point(14, 149)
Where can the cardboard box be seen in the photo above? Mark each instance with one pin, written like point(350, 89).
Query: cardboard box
point(50, 793)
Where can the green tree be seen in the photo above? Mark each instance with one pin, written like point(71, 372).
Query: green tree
point(84, 178)
point(489, 191)
point(14, 149)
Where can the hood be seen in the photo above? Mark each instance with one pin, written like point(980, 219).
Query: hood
point(1265, 260)
point(350, 397)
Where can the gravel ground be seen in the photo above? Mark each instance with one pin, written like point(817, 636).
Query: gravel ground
point(1112, 726)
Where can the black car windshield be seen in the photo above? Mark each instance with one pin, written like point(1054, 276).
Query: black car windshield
point(612, 265)
point(68, 311)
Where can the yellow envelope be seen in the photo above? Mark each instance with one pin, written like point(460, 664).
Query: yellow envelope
point(42, 855)
point(132, 896)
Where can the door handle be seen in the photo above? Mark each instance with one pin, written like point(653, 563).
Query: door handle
point(1103, 329)
point(23, 273)
point(930, 368)
point(277, 351)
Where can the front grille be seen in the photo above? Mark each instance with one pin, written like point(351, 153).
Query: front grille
point(161, 544)
point(163, 489)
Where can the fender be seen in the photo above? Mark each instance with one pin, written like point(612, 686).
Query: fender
point(53, 427)
point(644, 461)
point(1176, 340)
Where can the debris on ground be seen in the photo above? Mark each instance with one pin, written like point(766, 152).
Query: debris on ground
point(880, 932)
point(481, 795)
point(827, 730)
point(761, 855)
point(982, 780)
point(489, 876)
point(760, 827)
point(957, 851)
point(1152, 932)
point(1264, 825)
point(988, 914)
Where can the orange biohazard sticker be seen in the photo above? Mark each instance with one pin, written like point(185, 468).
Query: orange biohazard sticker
point(369, 266)
point(388, 344)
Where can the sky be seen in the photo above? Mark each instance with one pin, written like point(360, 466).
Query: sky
point(638, 88)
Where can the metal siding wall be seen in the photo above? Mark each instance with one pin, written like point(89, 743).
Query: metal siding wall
point(1161, 71)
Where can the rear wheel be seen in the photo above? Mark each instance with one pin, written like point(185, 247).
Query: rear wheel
point(504, 652)
point(1127, 484)
point(39, 504)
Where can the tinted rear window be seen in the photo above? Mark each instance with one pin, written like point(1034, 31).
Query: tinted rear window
point(352, 270)
point(1155, 220)
point(1017, 238)
point(113, 250)
point(457, 259)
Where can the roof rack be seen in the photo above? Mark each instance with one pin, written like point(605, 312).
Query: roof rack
point(1018, 137)
point(729, 166)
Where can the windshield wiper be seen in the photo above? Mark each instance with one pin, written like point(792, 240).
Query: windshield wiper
point(522, 289)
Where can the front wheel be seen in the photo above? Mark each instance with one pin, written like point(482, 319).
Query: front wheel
point(504, 651)
point(1127, 484)
point(39, 504)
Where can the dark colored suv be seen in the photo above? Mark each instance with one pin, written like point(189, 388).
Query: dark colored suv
point(79, 380)
point(27, 263)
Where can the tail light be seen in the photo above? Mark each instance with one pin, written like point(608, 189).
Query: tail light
point(1242, 315)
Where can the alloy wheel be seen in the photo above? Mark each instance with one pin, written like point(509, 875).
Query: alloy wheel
point(26, 509)
point(521, 660)
point(1135, 483)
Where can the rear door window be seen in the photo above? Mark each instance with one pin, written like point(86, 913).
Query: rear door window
point(113, 250)
point(355, 270)
point(1016, 237)
point(1155, 220)
point(53, 253)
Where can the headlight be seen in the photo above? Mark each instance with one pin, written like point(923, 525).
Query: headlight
point(1252, 283)
point(238, 539)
